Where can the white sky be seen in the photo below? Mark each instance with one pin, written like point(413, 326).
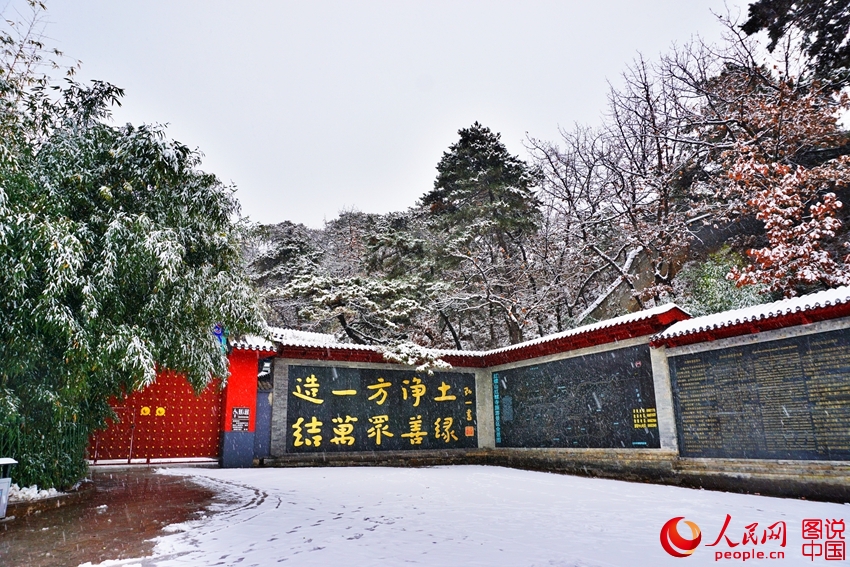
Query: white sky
point(313, 107)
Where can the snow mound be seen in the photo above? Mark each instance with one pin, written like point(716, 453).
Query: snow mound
point(29, 493)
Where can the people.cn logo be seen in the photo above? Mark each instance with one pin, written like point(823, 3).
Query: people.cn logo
point(676, 545)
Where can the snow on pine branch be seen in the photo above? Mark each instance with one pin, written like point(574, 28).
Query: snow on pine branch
point(410, 354)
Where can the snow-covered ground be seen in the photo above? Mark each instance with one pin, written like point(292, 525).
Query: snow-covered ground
point(466, 516)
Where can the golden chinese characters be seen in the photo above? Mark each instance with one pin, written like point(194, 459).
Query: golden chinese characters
point(380, 395)
point(343, 430)
point(310, 390)
point(314, 432)
point(444, 395)
point(379, 428)
point(345, 408)
point(415, 434)
point(417, 390)
point(644, 418)
point(443, 429)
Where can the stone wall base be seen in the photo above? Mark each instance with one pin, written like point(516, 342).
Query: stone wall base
point(814, 480)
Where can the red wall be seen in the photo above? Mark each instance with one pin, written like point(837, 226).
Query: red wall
point(241, 388)
point(168, 421)
point(164, 421)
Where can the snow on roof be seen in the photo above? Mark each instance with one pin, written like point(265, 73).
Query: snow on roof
point(253, 342)
point(286, 337)
point(310, 340)
point(773, 310)
point(304, 339)
point(615, 322)
point(294, 337)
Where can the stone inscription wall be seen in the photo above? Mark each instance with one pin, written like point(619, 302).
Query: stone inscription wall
point(782, 399)
point(601, 400)
point(334, 409)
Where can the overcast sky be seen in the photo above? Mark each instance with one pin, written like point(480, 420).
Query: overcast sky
point(313, 107)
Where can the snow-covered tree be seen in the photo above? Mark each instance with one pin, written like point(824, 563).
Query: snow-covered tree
point(630, 194)
point(482, 211)
point(783, 153)
point(119, 255)
point(824, 26)
point(697, 143)
point(275, 255)
point(363, 277)
point(705, 147)
point(368, 310)
point(478, 179)
point(701, 287)
point(799, 209)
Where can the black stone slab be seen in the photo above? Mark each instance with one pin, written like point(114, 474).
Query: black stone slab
point(782, 399)
point(601, 400)
point(336, 409)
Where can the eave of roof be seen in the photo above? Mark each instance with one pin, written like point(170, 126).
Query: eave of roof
point(297, 337)
point(641, 323)
point(638, 324)
point(824, 305)
point(253, 342)
point(668, 325)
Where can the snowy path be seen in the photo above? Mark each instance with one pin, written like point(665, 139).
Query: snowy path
point(462, 515)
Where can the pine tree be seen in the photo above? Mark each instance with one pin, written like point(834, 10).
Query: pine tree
point(478, 180)
point(825, 27)
point(483, 211)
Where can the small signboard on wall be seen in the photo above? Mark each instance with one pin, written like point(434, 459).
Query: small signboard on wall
point(240, 419)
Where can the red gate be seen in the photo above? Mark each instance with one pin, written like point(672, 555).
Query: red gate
point(164, 421)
